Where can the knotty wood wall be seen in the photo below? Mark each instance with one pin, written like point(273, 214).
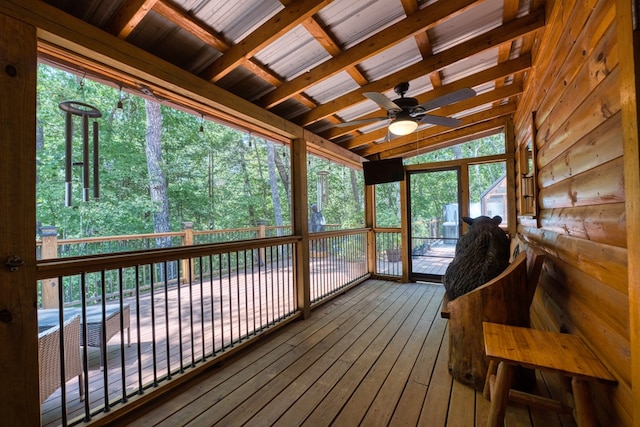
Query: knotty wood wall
point(574, 91)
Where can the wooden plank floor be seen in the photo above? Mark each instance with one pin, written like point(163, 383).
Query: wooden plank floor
point(375, 356)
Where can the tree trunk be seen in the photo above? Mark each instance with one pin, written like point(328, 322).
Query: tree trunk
point(355, 189)
point(247, 185)
point(273, 183)
point(284, 176)
point(157, 180)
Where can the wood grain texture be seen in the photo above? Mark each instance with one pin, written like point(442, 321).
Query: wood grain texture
point(583, 217)
point(19, 329)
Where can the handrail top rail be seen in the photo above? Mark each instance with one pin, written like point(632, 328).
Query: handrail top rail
point(93, 263)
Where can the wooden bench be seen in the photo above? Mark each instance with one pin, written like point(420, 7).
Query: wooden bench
point(505, 299)
point(510, 346)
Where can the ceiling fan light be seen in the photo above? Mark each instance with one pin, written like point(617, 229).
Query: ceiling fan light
point(402, 126)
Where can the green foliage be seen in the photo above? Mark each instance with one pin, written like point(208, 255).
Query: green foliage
point(217, 178)
point(342, 205)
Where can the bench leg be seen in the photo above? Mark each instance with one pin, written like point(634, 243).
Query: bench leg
point(500, 397)
point(493, 367)
point(583, 406)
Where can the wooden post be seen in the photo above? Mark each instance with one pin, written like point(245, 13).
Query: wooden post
point(301, 223)
point(49, 251)
point(510, 146)
point(369, 222)
point(19, 392)
point(187, 240)
point(262, 233)
point(404, 231)
point(500, 396)
point(629, 47)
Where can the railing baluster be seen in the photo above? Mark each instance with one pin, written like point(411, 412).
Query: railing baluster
point(139, 335)
point(265, 274)
point(167, 318)
point(123, 365)
point(154, 350)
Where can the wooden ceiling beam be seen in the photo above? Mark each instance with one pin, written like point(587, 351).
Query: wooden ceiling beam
point(327, 41)
point(436, 133)
point(283, 21)
point(390, 36)
point(354, 97)
point(186, 21)
point(128, 16)
point(450, 110)
point(509, 12)
point(504, 34)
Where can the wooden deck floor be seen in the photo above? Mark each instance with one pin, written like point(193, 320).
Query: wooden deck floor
point(375, 356)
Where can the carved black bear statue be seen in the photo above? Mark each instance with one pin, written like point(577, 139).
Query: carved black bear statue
point(481, 254)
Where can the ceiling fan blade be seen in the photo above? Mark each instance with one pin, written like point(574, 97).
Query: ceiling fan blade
point(382, 101)
point(446, 99)
point(440, 120)
point(361, 122)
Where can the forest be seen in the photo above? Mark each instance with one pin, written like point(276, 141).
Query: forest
point(159, 166)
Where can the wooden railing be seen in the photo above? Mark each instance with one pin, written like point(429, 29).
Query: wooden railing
point(182, 306)
point(388, 252)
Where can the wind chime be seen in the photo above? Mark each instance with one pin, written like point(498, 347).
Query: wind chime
point(85, 111)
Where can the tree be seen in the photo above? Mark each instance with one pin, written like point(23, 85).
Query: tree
point(157, 181)
point(275, 195)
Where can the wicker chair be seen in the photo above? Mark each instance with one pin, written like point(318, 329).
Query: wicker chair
point(49, 357)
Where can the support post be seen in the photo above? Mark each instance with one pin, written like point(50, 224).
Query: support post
point(19, 392)
point(50, 289)
point(187, 240)
point(369, 222)
point(628, 42)
point(300, 207)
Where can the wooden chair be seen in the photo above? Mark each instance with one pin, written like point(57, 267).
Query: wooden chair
point(49, 357)
point(506, 300)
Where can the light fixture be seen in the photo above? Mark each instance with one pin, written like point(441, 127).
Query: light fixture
point(403, 124)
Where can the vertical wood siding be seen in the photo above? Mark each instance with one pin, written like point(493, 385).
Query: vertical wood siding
point(575, 92)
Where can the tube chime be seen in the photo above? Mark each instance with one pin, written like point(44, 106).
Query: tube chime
point(85, 111)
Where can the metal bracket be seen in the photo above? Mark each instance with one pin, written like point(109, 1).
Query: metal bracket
point(14, 262)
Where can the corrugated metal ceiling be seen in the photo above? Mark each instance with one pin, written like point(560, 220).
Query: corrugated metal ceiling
point(328, 53)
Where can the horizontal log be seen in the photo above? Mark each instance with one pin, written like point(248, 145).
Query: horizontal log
point(609, 304)
point(555, 136)
point(603, 184)
point(601, 145)
point(562, 19)
point(610, 347)
point(548, 315)
point(604, 262)
point(600, 223)
point(588, 58)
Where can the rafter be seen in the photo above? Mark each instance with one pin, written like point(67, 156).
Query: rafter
point(184, 20)
point(326, 40)
point(509, 12)
point(128, 16)
point(470, 81)
point(392, 35)
point(410, 73)
point(270, 30)
point(187, 22)
point(489, 40)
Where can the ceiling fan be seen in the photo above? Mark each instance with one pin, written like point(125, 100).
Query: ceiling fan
point(406, 114)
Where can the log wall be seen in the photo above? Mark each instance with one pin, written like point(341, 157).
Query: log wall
point(574, 91)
